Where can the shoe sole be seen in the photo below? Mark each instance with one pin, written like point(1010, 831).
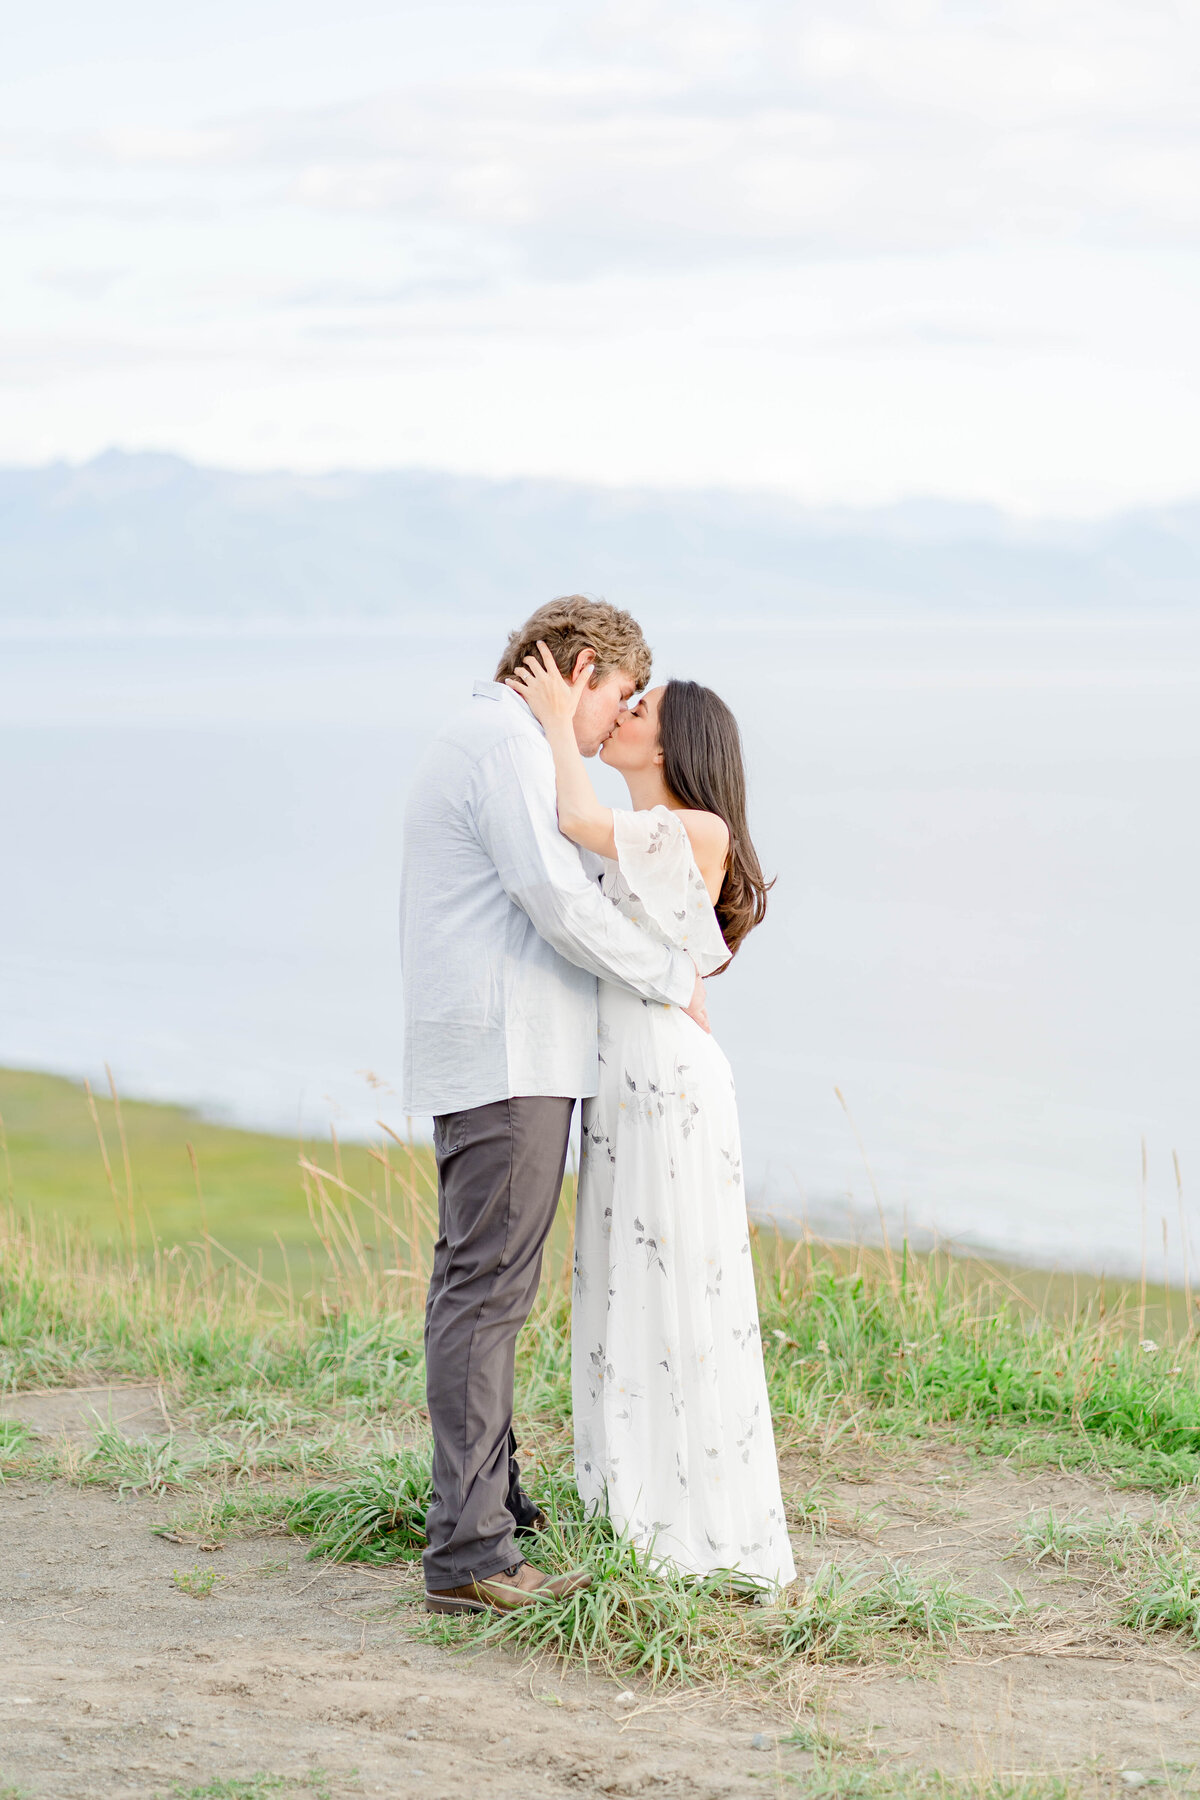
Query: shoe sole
point(437, 1603)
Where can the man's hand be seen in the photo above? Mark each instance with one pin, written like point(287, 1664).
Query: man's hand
point(696, 1008)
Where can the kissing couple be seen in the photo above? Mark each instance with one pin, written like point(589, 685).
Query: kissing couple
point(554, 951)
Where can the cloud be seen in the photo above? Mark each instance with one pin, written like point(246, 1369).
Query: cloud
point(109, 204)
point(359, 297)
point(753, 203)
point(171, 146)
point(80, 284)
point(663, 136)
point(906, 335)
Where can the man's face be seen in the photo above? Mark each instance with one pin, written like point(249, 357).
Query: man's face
point(599, 709)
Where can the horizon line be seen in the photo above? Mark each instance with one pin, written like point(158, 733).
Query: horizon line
point(776, 497)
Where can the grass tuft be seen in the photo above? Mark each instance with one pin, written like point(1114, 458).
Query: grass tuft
point(214, 1518)
point(257, 1787)
point(636, 1620)
point(133, 1465)
point(197, 1582)
point(1114, 1544)
point(377, 1515)
point(15, 1440)
point(644, 1620)
point(856, 1615)
point(831, 1780)
point(1148, 1570)
point(1165, 1598)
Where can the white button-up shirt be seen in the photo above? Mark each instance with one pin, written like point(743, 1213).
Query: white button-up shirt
point(502, 933)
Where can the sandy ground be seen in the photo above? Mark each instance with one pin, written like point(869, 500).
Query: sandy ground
point(114, 1682)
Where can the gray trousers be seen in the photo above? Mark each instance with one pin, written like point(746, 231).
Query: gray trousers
point(500, 1170)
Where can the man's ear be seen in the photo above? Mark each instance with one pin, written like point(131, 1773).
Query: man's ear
point(584, 663)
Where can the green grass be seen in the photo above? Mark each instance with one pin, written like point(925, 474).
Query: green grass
point(197, 1582)
point(855, 1343)
point(258, 1787)
point(634, 1619)
point(136, 1465)
point(847, 1614)
point(310, 1384)
point(1114, 1543)
point(932, 1357)
point(375, 1514)
point(906, 1345)
point(1166, 1597)
point(249, 1188)
point(15, 1439)
point(653, 1623)
point(831, 1780)
point(160, 1466)
point(1147, 1571)
point(216, 1516)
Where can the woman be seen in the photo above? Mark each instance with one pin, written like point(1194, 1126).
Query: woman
point(672, 1422)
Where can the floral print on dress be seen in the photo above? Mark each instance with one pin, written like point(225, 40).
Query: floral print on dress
point(656, 883)
point(672, 1422)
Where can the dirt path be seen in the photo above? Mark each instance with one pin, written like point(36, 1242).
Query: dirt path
point(1069, 1694)
point(115, 1683)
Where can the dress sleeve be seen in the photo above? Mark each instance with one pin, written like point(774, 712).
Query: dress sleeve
point(654, 856)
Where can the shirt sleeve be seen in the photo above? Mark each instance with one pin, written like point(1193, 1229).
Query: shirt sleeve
point(514, 811)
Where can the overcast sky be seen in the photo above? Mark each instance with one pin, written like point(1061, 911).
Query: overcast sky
point(850, 249)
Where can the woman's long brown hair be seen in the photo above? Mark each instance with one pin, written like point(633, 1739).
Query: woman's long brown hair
point(703, 768)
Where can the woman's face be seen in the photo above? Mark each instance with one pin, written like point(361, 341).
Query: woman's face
point(633, 744)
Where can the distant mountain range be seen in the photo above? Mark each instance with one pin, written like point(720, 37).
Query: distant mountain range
point(149, 538)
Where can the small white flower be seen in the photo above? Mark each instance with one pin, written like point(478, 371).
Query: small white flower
point(1148, 1345)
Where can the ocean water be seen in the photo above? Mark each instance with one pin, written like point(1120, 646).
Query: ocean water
point(975, 999)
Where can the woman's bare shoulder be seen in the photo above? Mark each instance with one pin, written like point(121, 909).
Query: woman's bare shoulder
point(708, 834)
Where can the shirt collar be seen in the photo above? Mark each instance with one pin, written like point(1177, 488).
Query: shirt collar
point(496, 690)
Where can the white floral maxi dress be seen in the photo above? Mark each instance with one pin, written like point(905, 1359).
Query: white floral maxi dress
point(672, 1423)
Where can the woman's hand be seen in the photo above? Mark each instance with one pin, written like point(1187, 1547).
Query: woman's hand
point(551, 700)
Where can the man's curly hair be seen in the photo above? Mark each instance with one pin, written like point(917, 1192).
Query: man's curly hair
point(575, 623)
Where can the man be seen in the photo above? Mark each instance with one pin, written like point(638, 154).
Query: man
point(502, 938)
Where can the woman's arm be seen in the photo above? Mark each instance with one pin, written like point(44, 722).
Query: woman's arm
point(553, 701)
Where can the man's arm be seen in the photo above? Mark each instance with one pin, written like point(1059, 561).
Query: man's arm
point(513, 805)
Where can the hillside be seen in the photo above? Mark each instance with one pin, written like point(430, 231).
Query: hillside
point(142, 538)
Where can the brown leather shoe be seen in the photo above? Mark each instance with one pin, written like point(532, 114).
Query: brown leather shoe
point(522, 1585)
